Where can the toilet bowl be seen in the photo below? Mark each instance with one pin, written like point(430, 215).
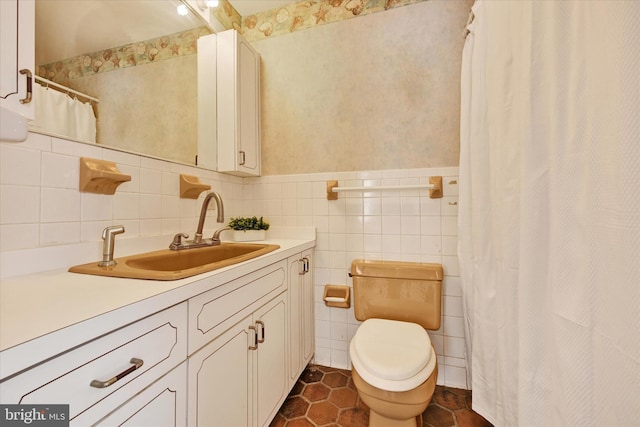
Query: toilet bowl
point(394, 365)
point(395, 408)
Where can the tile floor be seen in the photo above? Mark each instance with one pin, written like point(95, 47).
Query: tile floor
point(327, 397)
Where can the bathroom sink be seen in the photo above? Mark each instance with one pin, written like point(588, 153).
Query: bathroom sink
point(173, 265)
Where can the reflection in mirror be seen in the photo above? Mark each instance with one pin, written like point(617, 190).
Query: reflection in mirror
point(138, 58)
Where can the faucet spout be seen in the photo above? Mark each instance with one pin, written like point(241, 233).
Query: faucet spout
point(203, 213)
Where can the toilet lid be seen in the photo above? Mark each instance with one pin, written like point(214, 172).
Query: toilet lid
point(392, 355)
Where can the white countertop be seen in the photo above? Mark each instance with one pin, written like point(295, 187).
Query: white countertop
point(34, 308)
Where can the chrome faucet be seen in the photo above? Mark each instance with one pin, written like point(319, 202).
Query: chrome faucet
point(108, 244)
point(203, 213)
point(177, 243)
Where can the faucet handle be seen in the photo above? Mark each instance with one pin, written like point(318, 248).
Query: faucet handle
point(216, 234)
point(177, 241)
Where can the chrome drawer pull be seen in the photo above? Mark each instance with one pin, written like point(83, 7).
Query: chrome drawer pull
point(255, 338)
point(29, 86)
point(260, 332)
point(303, 266)
point(137, 363)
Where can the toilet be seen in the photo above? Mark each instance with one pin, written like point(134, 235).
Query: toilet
point(394, 364)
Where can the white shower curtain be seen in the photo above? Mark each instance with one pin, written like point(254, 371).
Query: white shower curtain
point(58, 114)
point(549, 220)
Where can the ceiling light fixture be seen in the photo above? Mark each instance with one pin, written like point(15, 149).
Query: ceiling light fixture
point(182, 10)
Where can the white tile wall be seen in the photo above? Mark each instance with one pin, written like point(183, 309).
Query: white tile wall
point(398, 225)
point(40, 206)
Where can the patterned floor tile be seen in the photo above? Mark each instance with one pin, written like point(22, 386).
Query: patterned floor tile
point(326, 397)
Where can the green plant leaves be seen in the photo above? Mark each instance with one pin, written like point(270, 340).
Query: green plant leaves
point(253, 223)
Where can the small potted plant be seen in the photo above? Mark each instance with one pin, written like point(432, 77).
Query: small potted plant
point(248, 229)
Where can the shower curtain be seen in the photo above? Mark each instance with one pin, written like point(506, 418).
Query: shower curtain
point(549, 220)
point(59, 114)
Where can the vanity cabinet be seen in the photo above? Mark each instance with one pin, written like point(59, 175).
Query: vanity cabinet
point(17, 44)
point(228, 104)
point(301, 314)
point(239, 378)
point(227, 354)
point(98, 377)
point(238, 350)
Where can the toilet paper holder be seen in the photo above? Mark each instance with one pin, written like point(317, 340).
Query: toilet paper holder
point(337, 296)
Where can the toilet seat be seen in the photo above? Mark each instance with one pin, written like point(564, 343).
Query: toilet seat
point(392, 355)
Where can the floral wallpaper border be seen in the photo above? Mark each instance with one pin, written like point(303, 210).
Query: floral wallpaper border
point(228, 16)
point(301, 15)
point(293, 17)
point(130, 55)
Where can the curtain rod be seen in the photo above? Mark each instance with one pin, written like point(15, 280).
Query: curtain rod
point(434, 187)
point(66, 89)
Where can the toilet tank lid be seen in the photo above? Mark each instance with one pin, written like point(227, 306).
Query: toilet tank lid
point(396, 269)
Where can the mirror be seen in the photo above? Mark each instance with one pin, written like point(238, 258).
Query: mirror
point(137, 57)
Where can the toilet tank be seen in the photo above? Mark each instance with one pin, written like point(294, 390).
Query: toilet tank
point(406, 291)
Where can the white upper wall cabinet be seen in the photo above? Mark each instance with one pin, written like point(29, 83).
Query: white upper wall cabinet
point(18, 53)
point(238, 76)
point(207, 103)
point(237, 110)
point(17, 47)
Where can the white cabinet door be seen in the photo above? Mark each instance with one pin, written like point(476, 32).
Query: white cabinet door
point(295, 319)
point(238, 105)
point(239, 378)
point(17, 42)
point(249, 109)
point(301, 314)
point(220, 380)
point(308, 309)
point(207, 103)
point(271, 385)
point(163, 404)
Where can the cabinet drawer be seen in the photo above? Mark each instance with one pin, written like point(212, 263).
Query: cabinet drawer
point(162, 404)
point(213, 312)
point(158, 341)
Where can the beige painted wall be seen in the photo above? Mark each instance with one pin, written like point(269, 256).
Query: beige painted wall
point(377, 92)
